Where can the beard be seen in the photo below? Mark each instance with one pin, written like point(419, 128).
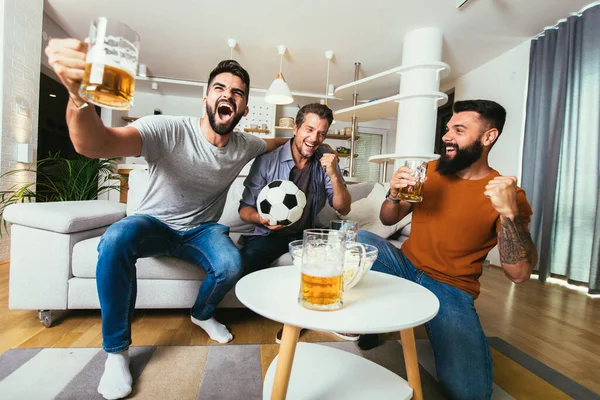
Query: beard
point(463, 158)
point(226, 128)
point(305, 153)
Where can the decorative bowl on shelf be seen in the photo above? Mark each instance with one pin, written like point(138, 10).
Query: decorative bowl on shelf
point(286, 122)
point(351, 263)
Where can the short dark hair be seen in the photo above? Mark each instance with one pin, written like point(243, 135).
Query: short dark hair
point(321, 110)
point(489, 111)
point(234, 68)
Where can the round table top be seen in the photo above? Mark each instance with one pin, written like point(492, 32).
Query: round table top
point(379, 303)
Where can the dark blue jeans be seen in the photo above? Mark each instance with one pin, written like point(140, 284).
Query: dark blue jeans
point(462, 356)
point(258, 252)
point(139, 236)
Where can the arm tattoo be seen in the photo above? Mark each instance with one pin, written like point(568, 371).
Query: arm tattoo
point(515, 242)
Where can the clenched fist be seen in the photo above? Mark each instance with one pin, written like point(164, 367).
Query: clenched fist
point(502, 192)
point(329, 161)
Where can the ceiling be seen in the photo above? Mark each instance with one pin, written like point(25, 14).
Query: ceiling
point(185, 39)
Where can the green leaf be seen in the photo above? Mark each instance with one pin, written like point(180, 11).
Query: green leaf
point(59, 179)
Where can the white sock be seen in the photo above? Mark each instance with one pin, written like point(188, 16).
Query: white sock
point(215, 330)
point(116, 380)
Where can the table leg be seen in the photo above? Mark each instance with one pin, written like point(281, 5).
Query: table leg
point(412, 363)
point(287, 348)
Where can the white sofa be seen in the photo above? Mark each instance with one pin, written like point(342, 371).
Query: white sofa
point(53, 250)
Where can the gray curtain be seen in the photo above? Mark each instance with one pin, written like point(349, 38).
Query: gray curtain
point(561, 153)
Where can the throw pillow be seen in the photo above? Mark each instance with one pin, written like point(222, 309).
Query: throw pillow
point(366, 212)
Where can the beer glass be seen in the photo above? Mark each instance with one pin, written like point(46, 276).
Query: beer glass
point(110, 65)
point(414, 193)
point(350, 227)
point(322, 268)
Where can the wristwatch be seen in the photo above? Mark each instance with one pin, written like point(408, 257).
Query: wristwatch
point(390, 198)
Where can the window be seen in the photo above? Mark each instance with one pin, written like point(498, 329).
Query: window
point(367, 145)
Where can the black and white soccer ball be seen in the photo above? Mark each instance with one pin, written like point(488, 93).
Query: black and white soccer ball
point(281, 202)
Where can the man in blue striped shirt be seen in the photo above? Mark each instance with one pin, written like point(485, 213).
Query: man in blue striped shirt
point(312, 167)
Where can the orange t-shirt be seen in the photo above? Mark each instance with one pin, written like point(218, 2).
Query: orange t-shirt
point(454, 228)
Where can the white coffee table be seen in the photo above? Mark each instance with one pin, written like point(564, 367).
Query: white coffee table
point(379, 303)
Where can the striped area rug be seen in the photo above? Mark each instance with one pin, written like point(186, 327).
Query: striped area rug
point(237, 371)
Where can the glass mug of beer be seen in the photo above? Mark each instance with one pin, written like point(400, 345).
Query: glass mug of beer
point(350, 227)
point(322, 268)
point(110, 65)
point(414, 193)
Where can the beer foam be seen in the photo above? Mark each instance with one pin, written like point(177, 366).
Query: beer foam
point(320, 270)
point(124, 58)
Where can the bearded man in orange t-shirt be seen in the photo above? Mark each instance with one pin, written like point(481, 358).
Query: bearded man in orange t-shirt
point(467, 209)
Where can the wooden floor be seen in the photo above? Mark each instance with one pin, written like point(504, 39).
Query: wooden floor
point(558, 326)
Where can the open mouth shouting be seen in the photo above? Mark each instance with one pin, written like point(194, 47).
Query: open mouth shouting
point(225, 112)
point(450, 149)
point(309, 148)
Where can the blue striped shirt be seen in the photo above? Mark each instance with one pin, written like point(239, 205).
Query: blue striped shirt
point(277, 164)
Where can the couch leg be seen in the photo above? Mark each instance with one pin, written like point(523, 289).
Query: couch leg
point(45, 317)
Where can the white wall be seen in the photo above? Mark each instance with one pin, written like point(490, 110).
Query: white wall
point(20, 49)
point(50, 29)
point(504, 80)
point(145, 103)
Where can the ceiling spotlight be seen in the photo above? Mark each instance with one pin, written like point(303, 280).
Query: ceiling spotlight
point(142, 70)
point(154, 86)
point(52, 95)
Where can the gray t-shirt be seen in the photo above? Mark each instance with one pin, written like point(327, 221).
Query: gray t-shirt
point(188, 176)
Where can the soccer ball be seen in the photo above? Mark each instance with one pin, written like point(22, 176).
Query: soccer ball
point(281, 202)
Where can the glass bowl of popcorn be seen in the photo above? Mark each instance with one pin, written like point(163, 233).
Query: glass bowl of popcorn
point(352, 264)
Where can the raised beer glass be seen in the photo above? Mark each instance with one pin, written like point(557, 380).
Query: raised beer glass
point(414, 193)
point(110, 65)
point(322, 269)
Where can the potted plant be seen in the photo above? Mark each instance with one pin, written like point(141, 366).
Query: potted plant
point(59, 179)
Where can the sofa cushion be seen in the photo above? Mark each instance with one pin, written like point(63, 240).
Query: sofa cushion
point(366, 212)
point(357, 191)
point(65, 216)
point(85, 256)
point(231, 215)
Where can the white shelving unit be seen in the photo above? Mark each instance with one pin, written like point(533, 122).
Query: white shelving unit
point(385, 159)
point(412, 87)
point(385, 83)
point(384, 108)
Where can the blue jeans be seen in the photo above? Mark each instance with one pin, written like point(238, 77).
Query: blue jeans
point(140, 236)
point(462, 356)
point(260, 251)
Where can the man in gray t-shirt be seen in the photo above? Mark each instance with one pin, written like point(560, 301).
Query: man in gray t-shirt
point(192, 162)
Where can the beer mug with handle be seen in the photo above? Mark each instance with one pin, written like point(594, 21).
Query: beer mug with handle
point(322, 269)
point(110, 65)
point(350, 227)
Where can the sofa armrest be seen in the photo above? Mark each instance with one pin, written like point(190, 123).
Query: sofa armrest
point(40, 267)
point(65, 216)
